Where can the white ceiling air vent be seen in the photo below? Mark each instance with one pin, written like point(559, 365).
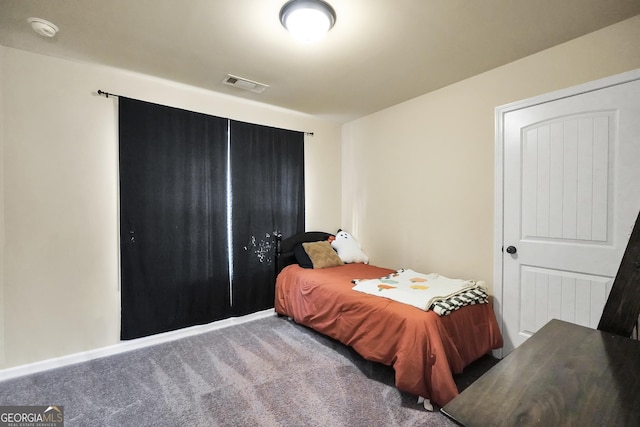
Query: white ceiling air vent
point(246, 84)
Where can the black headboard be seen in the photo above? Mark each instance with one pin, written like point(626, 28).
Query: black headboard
point(284, 247)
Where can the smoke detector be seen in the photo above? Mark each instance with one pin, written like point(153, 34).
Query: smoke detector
point(245, 84)
point(43, 27)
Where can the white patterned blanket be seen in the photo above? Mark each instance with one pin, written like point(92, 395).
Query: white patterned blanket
point(425, 291)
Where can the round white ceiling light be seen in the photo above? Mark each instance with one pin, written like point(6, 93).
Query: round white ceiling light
point(307, 20)
point(43, 27)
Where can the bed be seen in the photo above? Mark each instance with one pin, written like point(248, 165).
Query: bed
point(424, 349)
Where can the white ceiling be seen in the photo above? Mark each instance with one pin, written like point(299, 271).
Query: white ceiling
point(380, 52)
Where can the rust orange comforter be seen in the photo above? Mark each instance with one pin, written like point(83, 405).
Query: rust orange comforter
point(423, 348)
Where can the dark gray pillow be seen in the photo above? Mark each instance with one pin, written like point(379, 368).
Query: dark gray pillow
point(302, 258)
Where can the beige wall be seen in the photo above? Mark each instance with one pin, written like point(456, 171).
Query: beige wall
point(418, 177)
point(60, 246)
point(1, 215)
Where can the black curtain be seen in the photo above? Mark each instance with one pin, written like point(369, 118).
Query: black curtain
point(267, 182)
point(173, 213)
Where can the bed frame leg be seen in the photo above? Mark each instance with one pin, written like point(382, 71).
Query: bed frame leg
point(426, 403)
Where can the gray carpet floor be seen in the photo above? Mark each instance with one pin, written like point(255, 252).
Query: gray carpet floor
point(268, 372)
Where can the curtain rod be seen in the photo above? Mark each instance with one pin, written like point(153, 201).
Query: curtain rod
point(107, 95)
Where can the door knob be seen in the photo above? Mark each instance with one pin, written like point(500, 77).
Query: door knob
point(511, 250)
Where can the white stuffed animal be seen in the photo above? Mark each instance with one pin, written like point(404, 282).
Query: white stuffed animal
point(348, 248)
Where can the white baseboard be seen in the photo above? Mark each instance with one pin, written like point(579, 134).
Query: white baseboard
point(124, 346)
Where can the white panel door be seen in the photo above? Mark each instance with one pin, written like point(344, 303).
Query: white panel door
point(571, 189)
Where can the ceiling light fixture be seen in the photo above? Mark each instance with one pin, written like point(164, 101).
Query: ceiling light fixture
point(43, 27)
point(307, 20)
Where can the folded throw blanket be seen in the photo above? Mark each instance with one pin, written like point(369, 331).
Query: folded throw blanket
point(425, 291)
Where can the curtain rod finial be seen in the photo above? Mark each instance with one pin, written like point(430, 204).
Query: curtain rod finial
point(105, 94)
